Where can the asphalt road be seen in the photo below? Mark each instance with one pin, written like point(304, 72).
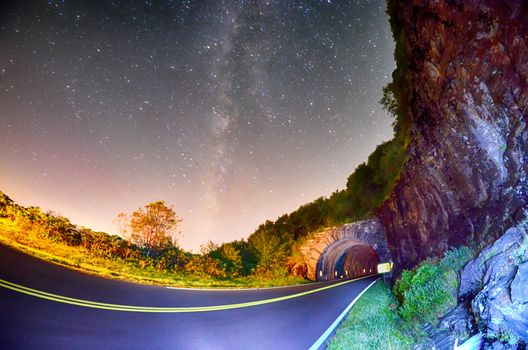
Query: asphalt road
point(36, 322)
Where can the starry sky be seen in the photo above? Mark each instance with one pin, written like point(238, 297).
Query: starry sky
point(232, 111)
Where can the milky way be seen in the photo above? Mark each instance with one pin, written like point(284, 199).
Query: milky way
point(233, 111)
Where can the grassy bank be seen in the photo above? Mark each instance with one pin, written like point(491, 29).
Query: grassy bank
point(373, 324)
point(78, 258)
point(385, 319)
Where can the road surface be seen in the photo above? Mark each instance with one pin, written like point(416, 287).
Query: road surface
point(95, 318)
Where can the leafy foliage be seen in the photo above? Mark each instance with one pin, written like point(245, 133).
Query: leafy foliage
point(152, 227)
point(429, 290)
point(56, 228)
point(150, 245)
point(403, 283)
point(456, 259)
point(232, 259)
point(426, 298)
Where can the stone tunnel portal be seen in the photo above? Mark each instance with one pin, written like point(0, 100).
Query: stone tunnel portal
point(346, 251)
point(347, 258)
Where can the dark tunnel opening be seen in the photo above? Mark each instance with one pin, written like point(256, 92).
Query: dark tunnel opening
point(347, 258)
point(358, 260)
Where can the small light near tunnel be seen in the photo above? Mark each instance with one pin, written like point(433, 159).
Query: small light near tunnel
point(363, 270)
point(320, 273)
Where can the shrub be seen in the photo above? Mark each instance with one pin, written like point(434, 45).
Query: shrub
point(403, 284)
point(456, 259)
point(426, 295)
point(430, 290)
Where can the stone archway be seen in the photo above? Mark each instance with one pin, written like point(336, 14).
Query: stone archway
point(349, 250)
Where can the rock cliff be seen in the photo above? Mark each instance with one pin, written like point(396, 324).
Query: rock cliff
point(466, 72)
point(495, 282)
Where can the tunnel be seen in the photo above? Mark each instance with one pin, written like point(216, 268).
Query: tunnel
point(346, 251)
point(347, 258)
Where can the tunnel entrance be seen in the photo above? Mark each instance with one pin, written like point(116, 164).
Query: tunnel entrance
point(346, 251)
point(359, 260)
point(347, 258)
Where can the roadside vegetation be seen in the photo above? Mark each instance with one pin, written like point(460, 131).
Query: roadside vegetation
point(385, 319)
point(430, 290)
point(154, 260)
point(373, 323)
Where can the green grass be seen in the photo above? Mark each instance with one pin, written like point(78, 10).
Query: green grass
point(385, 320)
point(373, 324)
point(78, 258)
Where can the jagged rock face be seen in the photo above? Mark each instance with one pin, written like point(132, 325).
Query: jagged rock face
point(456, 324)
point(472, 276)
point(495, 283)
point(466, 175)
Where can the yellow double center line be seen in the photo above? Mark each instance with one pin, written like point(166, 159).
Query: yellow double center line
point(128, 308)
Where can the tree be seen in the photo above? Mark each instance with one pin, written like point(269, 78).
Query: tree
point(269, 248)
point(5, 203)
point(208, 247)
point(232, 259)
point(152, 227)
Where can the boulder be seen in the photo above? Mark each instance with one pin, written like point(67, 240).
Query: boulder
point(497, 282)
point(519, 285)
point(473, 274)
point(495, 345)
point(459, 322)
point(456, 324)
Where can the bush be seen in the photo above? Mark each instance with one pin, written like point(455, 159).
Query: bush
point(456, 259)
point(403, 284)
point(430, 290)
point(425, 302)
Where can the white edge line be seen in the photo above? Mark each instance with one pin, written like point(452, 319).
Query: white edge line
point(330, 329)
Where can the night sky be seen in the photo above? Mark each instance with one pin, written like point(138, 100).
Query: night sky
point(232, 111)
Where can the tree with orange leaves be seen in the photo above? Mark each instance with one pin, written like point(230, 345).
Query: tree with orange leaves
point(152, 227)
